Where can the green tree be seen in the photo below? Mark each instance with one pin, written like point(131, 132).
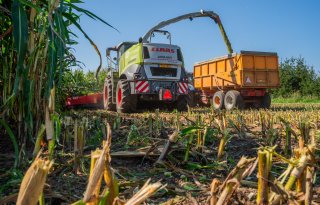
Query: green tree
point(297, 78)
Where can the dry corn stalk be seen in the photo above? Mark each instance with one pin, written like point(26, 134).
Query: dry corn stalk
point(100, 166)
point(234, 178)
point(33, 182)
point(95, 195)
point(264, 167)
point(172, 139)
point(297, 172)
point(214, 191)
point(49, 124)
point(109, 178)
point(305, 159)
point(300, 185)
point(145, 192)
point(95, 177)
point(309, 185)
point(224, 136)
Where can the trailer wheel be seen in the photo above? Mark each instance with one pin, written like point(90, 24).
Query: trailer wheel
point(125, 102)
point(233, 99)
point(218, 100)
point(266, 101)
point(107, 95)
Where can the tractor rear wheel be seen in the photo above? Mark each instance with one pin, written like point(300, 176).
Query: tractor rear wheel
point(233, 99)
point(266, 101)
point(125, 102)
point(218, 100)
point(191, 99)
point(107, 95)
point(182, 103)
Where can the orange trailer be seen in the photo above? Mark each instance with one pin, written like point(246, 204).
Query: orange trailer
point(237, 80)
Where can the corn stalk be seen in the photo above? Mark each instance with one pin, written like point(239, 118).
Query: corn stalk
point(145, 192)
point(264, 168)
point(33, 182)
point(233, 180)
point(35, 52)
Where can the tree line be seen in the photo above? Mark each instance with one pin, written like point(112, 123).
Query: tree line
point(297, 79)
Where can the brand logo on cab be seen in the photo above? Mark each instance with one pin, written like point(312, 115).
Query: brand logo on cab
point(166, 50)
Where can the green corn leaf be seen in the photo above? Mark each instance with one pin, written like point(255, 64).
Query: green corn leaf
point(20, 30)
point(190, 187)
point(28, 3)
point(95, 17)
point(52, 62)
point(20, 33)
point(51, 146)
point(80, 202)
point(91, 15)
point(70, 18)
point(60, 44)
point(104, 198)
point(189, 130)
point(39, 138)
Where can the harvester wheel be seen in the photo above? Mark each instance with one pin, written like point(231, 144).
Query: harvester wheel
point(107, 95)
point(218, 100)
point(125, 102)
point(191, 99)
point(266, 101)
point(182, 104)
point(233, 99)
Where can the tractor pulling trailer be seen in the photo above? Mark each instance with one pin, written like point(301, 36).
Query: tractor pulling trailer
point(146, 71)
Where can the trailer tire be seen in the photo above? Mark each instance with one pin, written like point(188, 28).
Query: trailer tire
point(218, 100)
point(233, 99)
point(107, 95)
point(266, 101)
point(125, 102)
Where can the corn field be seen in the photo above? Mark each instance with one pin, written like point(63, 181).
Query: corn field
point(36, 49)
point(195, 157)
point(201, 156)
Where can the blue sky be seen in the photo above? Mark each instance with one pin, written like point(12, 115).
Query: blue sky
point(288, 27)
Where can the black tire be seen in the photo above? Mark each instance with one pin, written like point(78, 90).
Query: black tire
point(191, 99)
point(233, 99)
point(125, 102)
point(266, 101)
point(218, 100)
point(182, 104)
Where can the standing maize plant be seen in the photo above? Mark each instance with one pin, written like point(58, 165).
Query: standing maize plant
point(35, 42)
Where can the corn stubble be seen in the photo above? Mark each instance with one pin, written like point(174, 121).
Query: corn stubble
point(294, 186)
point(33, 182)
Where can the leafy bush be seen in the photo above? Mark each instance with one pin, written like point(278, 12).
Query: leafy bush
point(78, 82)
point(297, 79)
